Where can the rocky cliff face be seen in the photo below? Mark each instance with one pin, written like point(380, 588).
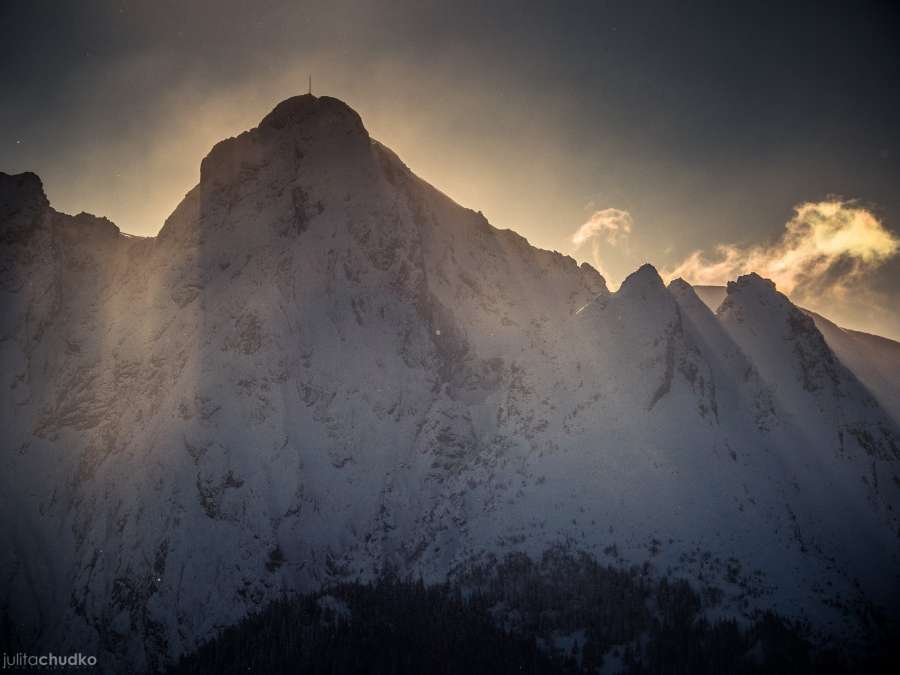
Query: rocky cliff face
point(322, 365)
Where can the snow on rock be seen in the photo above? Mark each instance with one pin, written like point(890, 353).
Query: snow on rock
point(322, 365)
point(873, 359)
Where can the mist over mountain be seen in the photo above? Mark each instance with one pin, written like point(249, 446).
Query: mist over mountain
point(323, 367)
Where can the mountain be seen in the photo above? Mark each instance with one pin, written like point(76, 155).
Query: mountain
point(323, 367)
point(873, 359)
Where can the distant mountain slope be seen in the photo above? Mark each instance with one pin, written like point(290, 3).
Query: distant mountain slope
point(323, 366)
point(711, 295)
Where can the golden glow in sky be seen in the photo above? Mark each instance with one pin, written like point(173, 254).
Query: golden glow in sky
point(825, 256)
point(671, 143)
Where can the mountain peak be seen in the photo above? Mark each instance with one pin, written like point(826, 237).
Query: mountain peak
point(18, 191)
point(306, 109)
point(755, 294)
point(22, 204)
point(643, 279)
point(753, 283)
point(686, 296)
point(680, 286)
point(289, 130)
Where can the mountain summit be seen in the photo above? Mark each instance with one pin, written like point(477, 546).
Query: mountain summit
point(323, 366)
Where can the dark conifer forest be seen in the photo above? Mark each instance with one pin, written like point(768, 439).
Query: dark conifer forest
point(563, 614)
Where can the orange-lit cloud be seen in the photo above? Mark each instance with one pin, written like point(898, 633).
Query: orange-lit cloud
point(826, 251)
point(609, 226)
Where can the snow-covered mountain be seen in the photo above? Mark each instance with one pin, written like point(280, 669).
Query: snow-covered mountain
point(322, 365)
point(873, 359)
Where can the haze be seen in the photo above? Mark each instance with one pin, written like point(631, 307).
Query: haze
point(706, 129)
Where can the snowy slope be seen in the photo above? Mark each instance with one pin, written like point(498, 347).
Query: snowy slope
point(873, 359)
point(322, 365)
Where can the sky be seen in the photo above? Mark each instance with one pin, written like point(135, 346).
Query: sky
point(703, 137)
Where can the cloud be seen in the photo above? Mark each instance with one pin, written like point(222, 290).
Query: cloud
point(826, 252)
point(609, 226)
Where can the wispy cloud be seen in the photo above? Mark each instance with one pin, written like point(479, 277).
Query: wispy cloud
point(826, 251)
point(611, 227)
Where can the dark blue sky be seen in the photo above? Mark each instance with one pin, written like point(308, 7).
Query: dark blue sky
point(706, 121)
